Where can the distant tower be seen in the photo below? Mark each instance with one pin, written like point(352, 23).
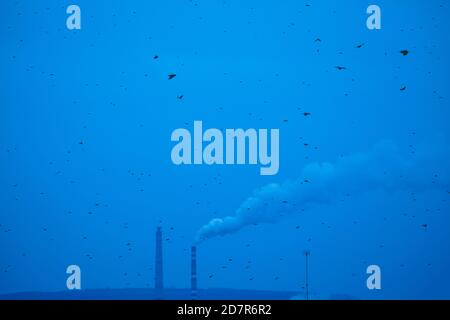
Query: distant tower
point(194, 272)
point(307, 254)
point(159, 285)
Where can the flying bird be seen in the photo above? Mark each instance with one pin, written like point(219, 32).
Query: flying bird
point(171, 76)
point(404, 52)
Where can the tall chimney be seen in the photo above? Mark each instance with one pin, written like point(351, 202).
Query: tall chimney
point(159, 286)
point(194, 272)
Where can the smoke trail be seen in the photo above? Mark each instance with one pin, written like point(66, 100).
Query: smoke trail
point(381, 167)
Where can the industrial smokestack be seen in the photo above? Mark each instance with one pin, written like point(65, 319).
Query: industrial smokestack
point(159, 285)
point(194, 272)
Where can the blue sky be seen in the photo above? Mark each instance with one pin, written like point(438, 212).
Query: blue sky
point(86, 118)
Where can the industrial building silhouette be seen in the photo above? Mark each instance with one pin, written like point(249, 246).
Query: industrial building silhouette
point(159, 273)
point(194, 293)
point(158, 292)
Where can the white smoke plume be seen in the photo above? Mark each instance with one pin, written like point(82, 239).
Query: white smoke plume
point(382, 167)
